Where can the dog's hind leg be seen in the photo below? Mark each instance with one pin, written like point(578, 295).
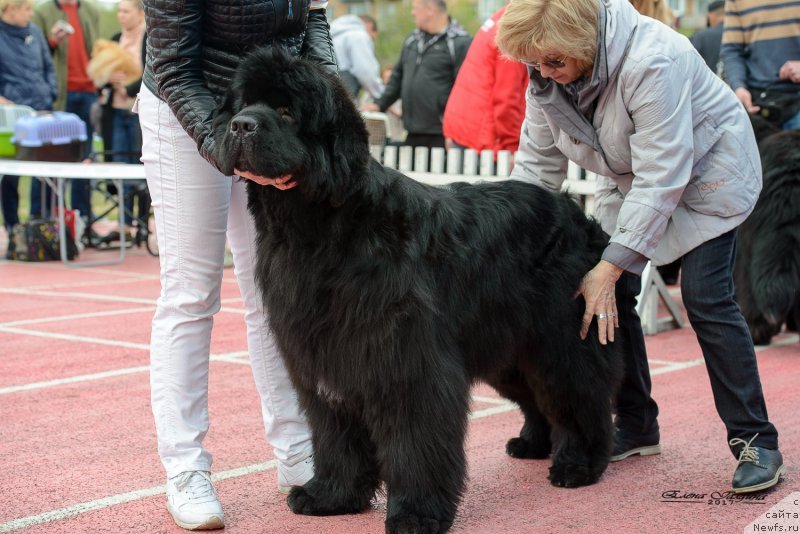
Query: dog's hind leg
point(534, 437)
point(582, 447)
point(421, 452)
point(345, 470)
point(775, 277)
point(576, 398)
point(761, 330)
point(793, 320)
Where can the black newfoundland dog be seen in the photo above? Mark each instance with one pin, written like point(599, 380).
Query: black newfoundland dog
point(767, 269)
point(390, 298)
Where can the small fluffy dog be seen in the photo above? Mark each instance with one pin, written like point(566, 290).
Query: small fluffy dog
point(389, 298)
point(767, 270)
point(107, 58)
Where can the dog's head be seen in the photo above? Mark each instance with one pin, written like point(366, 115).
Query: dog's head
point(284, 115)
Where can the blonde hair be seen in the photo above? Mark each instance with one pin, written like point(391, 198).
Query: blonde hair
point(5, 4)
point(529, 28)
point(655, 9)
point(137, 4)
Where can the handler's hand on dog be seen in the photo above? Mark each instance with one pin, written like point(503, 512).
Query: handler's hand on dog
point(597, 288)
point(281, 182)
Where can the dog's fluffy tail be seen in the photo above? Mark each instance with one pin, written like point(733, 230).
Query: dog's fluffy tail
point(775, 277)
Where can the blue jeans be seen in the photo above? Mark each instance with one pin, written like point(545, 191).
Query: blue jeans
point(80, 103)
point(709, 297)
point(126, 147)
point(9, 193)
point(793, 123)
point(37, 209)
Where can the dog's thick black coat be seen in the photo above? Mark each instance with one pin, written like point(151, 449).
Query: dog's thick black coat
point(390, 298)
point(767, 269)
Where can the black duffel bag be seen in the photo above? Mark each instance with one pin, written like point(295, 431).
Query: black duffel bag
point(777, 106)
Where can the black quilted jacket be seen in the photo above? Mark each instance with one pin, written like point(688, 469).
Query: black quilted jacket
point(194, 46)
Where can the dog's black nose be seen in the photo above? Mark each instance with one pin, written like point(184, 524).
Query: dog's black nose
point(243, 126)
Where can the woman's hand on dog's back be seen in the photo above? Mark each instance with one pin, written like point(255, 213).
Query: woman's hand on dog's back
point(597, 288)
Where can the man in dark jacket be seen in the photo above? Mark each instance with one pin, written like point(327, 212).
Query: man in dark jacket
point(426, 72)
point(708, 41)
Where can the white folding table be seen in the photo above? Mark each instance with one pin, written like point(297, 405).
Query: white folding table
point(116, 172)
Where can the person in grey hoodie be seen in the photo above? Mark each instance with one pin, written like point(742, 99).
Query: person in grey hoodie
point(353, 41)
point(630, 99)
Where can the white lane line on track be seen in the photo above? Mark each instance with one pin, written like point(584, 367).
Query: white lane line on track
point(232, 357)
point(85, 296)
point(490, 400)
point(507, 406)
point(74, 316)
point(104, 298)
point(669, 367)
point(241, 358)
point(93, 315)
point(122, 498)
point(675, 366)
point(129, 278)
point(70, 337)
point(81, 339)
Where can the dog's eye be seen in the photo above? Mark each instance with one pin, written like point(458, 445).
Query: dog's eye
point(285, 115)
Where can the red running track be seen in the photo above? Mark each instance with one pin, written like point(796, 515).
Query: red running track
point(78, 453)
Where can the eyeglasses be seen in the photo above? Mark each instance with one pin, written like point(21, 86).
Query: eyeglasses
point(552, 63)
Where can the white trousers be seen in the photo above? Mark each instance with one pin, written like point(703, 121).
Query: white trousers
point(195, 207)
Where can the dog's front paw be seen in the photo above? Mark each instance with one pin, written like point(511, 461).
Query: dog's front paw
point(524, 448)
point(413, 524)
point(313, 499)
point(300, 502)
point(572, 475)
point(762, 332)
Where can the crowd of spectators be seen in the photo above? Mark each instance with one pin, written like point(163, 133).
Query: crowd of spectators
point(455, 91)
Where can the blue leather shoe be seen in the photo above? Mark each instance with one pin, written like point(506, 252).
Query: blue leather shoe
point(758, 468)
point(627, 443)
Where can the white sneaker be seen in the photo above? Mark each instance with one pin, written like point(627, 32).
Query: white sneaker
point(192, 501)
point(296, 475)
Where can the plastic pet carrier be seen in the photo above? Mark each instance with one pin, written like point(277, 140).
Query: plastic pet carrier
point(8, 117)
point(56, 136)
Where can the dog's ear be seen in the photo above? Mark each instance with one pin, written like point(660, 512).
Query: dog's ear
point(348, 137)
point(224, 111)
point(220, 123)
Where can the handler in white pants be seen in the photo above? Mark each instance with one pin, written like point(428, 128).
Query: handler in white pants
point(195, 207)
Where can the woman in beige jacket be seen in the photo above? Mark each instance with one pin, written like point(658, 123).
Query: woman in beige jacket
point(628, 98)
